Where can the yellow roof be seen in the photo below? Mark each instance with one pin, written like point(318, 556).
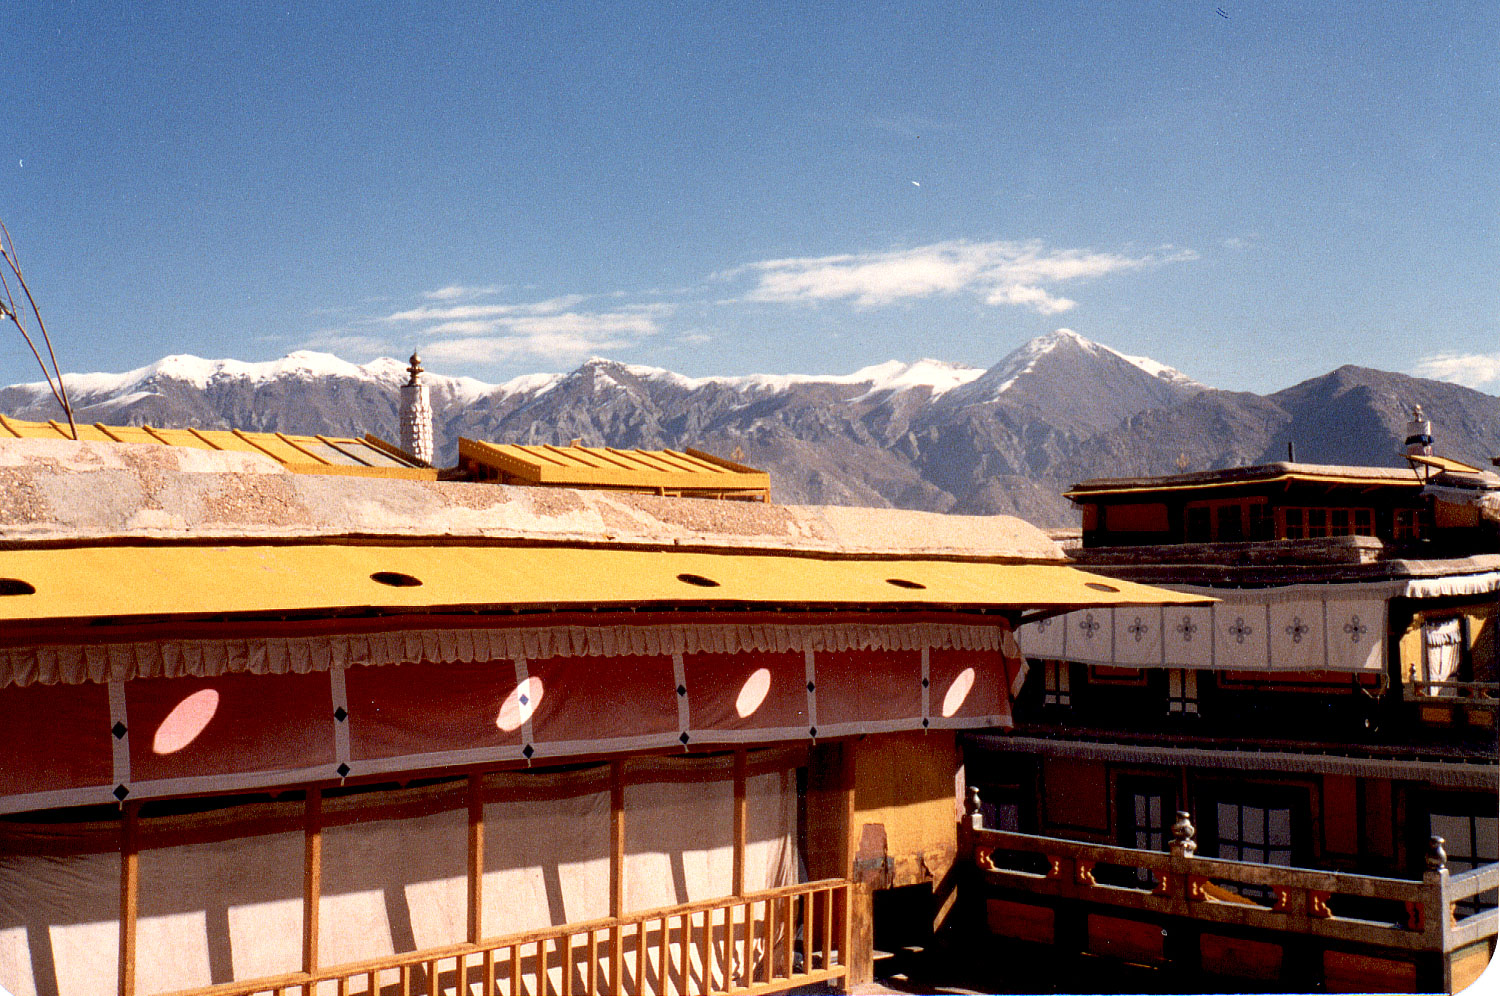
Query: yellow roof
point(1441, 463)
point(690, 472)
point(122, 581)
point(368, 457)
point(1080, 492)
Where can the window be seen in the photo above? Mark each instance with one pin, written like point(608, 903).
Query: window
point(1182, 692)
point(1145, 819)
point(1260, 824)
point(1199, 529)
point(1317, 523)
point(1230, 520)
point(1055, 690)
point(1470, 840)
point(1443, 647)
point(1405, 524)
point(1293, 519)
point(1262, 523)
point(1000, 807)
point(1364, 522)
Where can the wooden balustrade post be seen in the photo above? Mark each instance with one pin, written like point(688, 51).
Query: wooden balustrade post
point(129, 888)
point(1435, 972)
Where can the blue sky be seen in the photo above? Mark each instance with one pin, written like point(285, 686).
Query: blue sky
point(1253, 198)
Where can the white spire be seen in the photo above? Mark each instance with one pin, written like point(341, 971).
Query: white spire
point(416, 414)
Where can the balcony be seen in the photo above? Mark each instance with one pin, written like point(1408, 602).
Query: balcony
point(1296, 926)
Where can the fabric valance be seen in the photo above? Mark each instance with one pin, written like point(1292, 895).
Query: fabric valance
point(1292, 628)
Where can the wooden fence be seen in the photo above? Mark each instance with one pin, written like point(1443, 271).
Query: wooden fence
point(761, 942)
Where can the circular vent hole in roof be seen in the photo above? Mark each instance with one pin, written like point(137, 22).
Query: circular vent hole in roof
point(698, 579)
point(1098, 586)
point(903, 583)
point(396, 579)
point(15, 586)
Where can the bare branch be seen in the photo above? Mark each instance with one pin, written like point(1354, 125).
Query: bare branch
point(60, 392)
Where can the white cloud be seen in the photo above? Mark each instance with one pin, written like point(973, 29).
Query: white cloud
point(554, 329)
point(455, 292)
point(427, 312)
point(1469, 369)
point(1000, 273)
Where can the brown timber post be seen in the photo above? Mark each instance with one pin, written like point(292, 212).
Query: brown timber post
point(476, 858)
point(312, 877)
point(617, 882)
point(739, 823)
point(129, 889)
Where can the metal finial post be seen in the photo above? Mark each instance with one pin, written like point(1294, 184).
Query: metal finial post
point(972, 808)
point(1437, 854)
point(414, 369)
point(1183, 845)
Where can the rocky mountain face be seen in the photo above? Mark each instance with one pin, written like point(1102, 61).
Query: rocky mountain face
point(927, 435)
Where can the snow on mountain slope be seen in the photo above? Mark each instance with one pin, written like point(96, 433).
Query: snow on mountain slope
point(1003, 376)
point(306, 365)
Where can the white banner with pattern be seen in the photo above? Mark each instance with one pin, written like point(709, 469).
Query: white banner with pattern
point(1291, 628)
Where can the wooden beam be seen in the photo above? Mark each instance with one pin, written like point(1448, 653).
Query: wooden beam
point(312, 877)
point(476, 859)
point(129, 895)
point(739, 823)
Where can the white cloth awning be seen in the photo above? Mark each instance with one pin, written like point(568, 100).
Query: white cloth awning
point(1291, 628)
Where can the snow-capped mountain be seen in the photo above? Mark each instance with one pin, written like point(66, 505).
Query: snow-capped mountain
point(929, 434)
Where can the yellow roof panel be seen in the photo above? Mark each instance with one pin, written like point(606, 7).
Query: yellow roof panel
point(607, 467)
point(1080, 493)
point(122, 581)
point(1441, 463)
point(303, 454)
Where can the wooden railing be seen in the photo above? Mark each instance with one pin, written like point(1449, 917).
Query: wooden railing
point(1478, 693)
point(1405, 914)
point(761, 942)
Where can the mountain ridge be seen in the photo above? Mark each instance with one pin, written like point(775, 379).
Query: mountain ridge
point(929, 434)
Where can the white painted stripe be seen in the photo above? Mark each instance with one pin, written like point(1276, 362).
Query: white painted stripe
point(120, 748)
point(521, 676)
point(810, 667)
point(926, 689)
point(340, 696)
point(679, 680)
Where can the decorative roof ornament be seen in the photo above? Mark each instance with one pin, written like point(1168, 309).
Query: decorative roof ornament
point(416, 414)
point(1418, 434)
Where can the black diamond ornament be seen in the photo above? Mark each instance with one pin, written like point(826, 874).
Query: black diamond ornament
point(343, 770)
point(528, 750)
point(118, 730)
point(681, 690)
point(811, 686)
point(812, 732)
point(925, 683)
point(121, 792)
point(684, 738)
point(525, 700)
point(340, 714)
point(924, 722)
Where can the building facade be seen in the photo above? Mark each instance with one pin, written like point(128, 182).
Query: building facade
point(1332, 710)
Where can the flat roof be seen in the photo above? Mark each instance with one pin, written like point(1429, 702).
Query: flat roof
point(301, 454)
point(679, 472)
point(1270, 473)
point(118, 582)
